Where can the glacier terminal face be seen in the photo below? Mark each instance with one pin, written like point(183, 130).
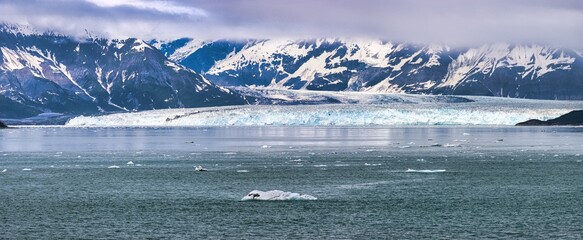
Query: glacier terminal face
point(425, 110)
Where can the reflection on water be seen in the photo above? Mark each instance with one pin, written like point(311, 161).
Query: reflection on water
point(278, 138)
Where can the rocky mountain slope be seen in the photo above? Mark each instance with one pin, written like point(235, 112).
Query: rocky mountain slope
point(506, 70)
point(47, 72)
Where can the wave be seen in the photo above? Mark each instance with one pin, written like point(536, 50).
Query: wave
point(425, 171)
point(276, 195)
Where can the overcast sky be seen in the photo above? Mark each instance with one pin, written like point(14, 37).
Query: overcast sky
point(557, 22)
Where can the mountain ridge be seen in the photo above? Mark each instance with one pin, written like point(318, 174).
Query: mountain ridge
point(507, 70)
point(53, 73)
point(48, 72)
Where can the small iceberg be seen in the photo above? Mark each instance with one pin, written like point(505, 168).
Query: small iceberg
point(113, 167)
point(243, 171)
point(200, 169)
point(130, 163)
point(276, 195)
point(3, 171)
point(425, 171)
point(26, 169)
point(372, 164)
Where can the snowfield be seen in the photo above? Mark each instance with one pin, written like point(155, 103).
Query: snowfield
point(365, 110)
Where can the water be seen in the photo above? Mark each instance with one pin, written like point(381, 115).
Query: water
point(498, 182)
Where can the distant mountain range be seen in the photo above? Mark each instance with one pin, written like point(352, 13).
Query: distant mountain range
point(49, 72)
point(54, 73)
point(505, 70)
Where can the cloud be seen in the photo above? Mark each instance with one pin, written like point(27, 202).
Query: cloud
point(460, 22)
point(161, 6)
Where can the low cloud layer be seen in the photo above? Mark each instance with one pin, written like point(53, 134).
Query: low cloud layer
point(461, 22)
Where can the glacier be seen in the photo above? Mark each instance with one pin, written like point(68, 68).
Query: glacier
point(369, 110)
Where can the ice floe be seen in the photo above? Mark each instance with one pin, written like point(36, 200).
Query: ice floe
point(425, 171)
point(276, 195)
point(200, 169)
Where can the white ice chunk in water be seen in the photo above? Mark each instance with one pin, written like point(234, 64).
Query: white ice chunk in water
point(26, 169)
point(113, 167)
point(4, 170)
point(276, 195)
point(130, 163)
point(425, 171)
point(200, 169)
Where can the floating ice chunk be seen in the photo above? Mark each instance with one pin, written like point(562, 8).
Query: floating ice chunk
point(321, 165)
point(113, 167)
point(26, 169)
point(276, 195)
point(130, 163)
point(452, 145)
point(200, 169)
point(425, 171)
point(372, 164)
point(242, 171)
point(265, 146)
point(4, 170)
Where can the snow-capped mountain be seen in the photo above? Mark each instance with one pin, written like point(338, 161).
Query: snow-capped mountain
point(522, 71)
point(46, 72)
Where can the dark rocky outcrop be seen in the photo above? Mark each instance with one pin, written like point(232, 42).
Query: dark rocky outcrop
point(574, 118)
point(2, 125)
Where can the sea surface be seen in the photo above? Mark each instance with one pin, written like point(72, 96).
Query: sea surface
point(436, 182)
